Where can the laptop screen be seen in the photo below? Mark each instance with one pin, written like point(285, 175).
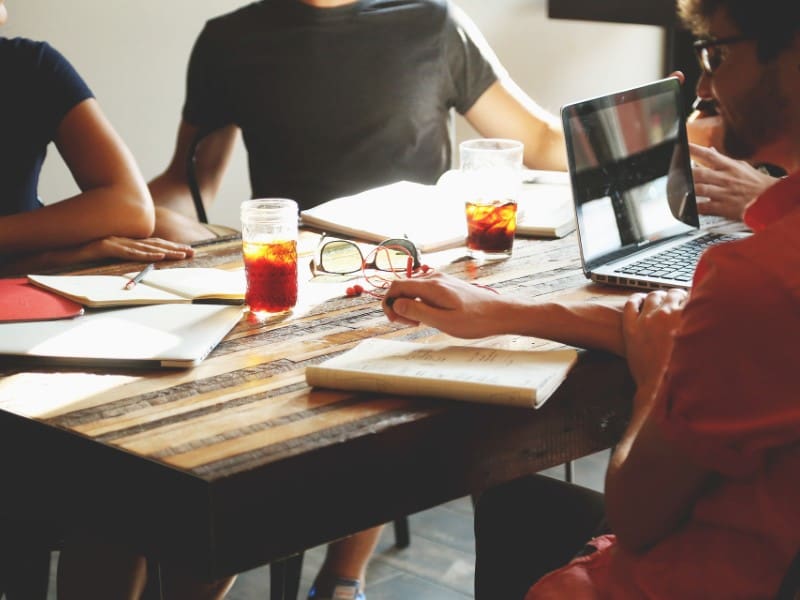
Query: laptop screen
point(630, 170)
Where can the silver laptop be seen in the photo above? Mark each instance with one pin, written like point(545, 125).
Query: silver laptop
point(632, 188)
point(159, 335)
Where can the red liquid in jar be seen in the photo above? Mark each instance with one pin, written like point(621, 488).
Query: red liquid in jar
point(271, 276)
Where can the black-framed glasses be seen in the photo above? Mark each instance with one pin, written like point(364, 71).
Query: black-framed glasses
point(343, 257)
point(709, 52)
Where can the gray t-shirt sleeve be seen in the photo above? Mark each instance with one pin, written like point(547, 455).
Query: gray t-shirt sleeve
point(469, 58)
point(205, 105)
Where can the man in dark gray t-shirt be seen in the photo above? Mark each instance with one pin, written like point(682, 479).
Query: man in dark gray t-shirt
point(334, 97)
point(336, 100)
point(337, 96)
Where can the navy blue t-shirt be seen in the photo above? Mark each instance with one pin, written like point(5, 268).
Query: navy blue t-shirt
point(39, 87)
point(332, 101)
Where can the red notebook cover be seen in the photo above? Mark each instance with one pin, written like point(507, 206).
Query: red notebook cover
point(22, 301)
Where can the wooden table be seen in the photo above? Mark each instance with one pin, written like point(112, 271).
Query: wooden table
point(237, 462)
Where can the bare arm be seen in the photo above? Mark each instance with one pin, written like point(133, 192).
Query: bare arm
point(112, 247)
point(176, 215)
point(171, 188)
point(505, 111)
point(113, 199)
point(650, 484)
point(464, 310)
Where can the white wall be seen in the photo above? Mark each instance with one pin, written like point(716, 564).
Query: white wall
point(133, 54)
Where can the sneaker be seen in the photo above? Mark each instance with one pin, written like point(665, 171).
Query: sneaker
point(340, 589)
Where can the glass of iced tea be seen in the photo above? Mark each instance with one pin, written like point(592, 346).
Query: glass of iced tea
point(491, 180)
point(269, 248)
point(491, 227)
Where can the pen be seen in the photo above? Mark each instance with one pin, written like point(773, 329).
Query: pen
point(138, 277)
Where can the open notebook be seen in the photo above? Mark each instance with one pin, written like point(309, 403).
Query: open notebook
point(160, 335)
point(160, 286)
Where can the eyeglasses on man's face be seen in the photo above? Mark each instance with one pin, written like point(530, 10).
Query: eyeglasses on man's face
point(343, 257)
point(710, 53)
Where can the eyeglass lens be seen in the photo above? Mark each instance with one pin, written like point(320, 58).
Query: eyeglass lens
point(340, 257)
point(711, 58)
point(343, 257)
point(392, 255)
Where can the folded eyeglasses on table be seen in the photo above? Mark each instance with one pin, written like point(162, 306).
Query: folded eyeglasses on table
point(344, 257)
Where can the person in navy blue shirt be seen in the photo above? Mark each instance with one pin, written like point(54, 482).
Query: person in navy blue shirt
point(44, 100)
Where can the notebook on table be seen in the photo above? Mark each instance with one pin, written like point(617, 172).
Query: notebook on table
point(153, 336)
point(22, 301)
point(415, 211)
point(160, 286)
point(632, 188)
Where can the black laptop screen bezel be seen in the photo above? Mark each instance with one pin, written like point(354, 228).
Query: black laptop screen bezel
point(591, 106)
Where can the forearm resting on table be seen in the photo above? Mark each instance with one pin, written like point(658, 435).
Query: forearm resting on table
point(35, 262)
point(170, 190)
point(582, 324)
point(464, 310)
point(31, 263)
point(94, 214)
point(177, 217)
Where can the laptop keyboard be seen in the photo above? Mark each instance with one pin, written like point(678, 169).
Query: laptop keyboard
point(677, 263)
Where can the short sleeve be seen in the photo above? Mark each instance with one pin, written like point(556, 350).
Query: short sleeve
point(470, 59)
point(56, 87)
point(731, 391)
point(204, 105)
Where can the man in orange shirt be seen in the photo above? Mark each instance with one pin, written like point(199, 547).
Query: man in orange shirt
point(702, 490)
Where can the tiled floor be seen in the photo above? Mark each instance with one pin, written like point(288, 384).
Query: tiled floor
point(439, 563)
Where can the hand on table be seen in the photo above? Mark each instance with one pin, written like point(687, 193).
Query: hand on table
point(139, 250)
point(451, 305)
point(649, 322)
point(118, 248)
point(729, 184)
point(112, 247)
